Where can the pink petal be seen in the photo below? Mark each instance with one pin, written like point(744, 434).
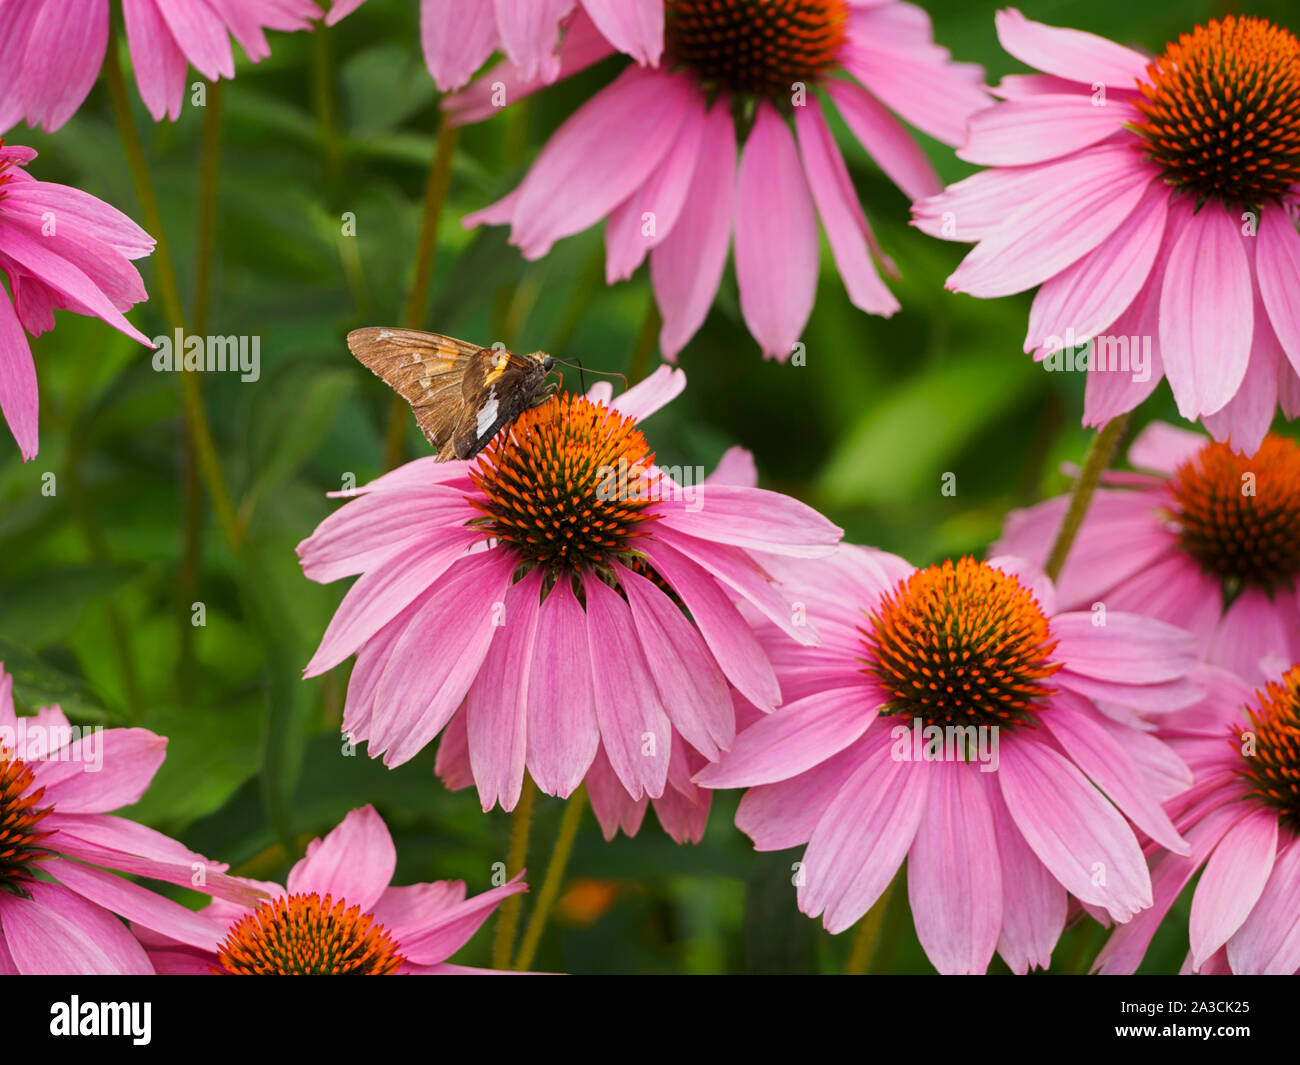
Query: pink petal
point(692, 689)
point(1038, 128)
point(457, 37)
point(1277, 261)
point(632, 26)
point(889, 144)
point(599, 157)
point(756, 519)
point(1163, 448)
point(1206, 313)
point(157, 60)
point(954, 880)
point(1090, 294)
point(1268, 941)
point(1128, 648)
point(19, 397)
point(202, 37)
point(863, 837)
point(355, 861)
point(783, 815)
point(1076, 833)
point(530, 34)
point(652, 394)
point(1068, 53)
point(1245, 419)
point(42, 940)
point(724, 629)
point(776, 237)
point(797, 737)
point(1034, 904)
point(1232, 882)
point(613, 806)
point(841, 214)
point(127, 758)
point(634, 730)
point(497, 704)
point(451, 929)
point(562, 731)
point(645, 218)
point(687, 266)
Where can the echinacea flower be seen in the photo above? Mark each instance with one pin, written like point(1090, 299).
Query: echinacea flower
point(458, 36)
point(336, 915)
point(1242, 820)
point(51, 50)
point(561, 604)
point(59, 248)
point(1208, 540)
point(1154, 202)
point(59, 906)
point(678, 157)
point(949, 716)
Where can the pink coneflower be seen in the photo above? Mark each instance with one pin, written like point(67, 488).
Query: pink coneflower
point(51, 50)
point(337, 916)
point(57, 839)
point(655, 153)
point(559, 603)
point(1153, 201)
point(1241, 820)
point(60, 248)
point(458, 36)
point(1006, 814)
point(1209, 541)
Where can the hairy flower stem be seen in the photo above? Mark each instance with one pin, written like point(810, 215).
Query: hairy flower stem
point(426, 251)
point(554, 878)
point(508, 917)
point(1100, 454)
point(165, 276)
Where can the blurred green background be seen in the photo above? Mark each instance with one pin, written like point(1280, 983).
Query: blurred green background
point(98, 579)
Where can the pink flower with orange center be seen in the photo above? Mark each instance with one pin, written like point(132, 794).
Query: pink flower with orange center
point(728, 135)
point(1153, 202)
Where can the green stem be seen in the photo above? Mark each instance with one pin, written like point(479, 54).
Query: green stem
point(1100, 453)
point(426, 251)
point(165, 277)
point(554, 878)
point(508, 917)
point(866, 939)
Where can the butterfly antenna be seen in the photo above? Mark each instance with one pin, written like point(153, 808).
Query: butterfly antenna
point(602, 373)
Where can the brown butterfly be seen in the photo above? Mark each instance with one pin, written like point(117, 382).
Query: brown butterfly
point(462, 394)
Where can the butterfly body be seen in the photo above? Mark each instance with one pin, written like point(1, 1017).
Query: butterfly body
point(462, 394)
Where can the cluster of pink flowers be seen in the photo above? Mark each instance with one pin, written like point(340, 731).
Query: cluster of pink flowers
point(1029, 746)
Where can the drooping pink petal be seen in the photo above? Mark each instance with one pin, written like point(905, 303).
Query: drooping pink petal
point(634, 730)
point(686, 267)
point(632, 26)
point(19, 397)
point(457, 37)
point(841, 214)
point(563, 733)
point(1277, 262)
point(894, 150)
point(202, 37)
point(645, 218)
point(1034, 904)
point(1232, 882)
point(776, 237)
point(599, 157)
point(44, 941)
point(954, 878)
point(1206, 313)
point(692, 688)
point(614, 808)
point(1268, 941)
point(157, 60)
point(355, 861)
point(530, 33)
point(496, 707)
point(1245, 419)
point(863, 837)
point(724, 629)
point(1076, 833)
point(783, 815)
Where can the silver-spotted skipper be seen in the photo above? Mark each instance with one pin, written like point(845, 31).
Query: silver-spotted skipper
point(462, 394)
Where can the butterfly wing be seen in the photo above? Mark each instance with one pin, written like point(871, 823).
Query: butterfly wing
point(461, 394)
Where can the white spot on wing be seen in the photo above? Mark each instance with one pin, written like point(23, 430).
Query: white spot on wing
point(487, 414)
